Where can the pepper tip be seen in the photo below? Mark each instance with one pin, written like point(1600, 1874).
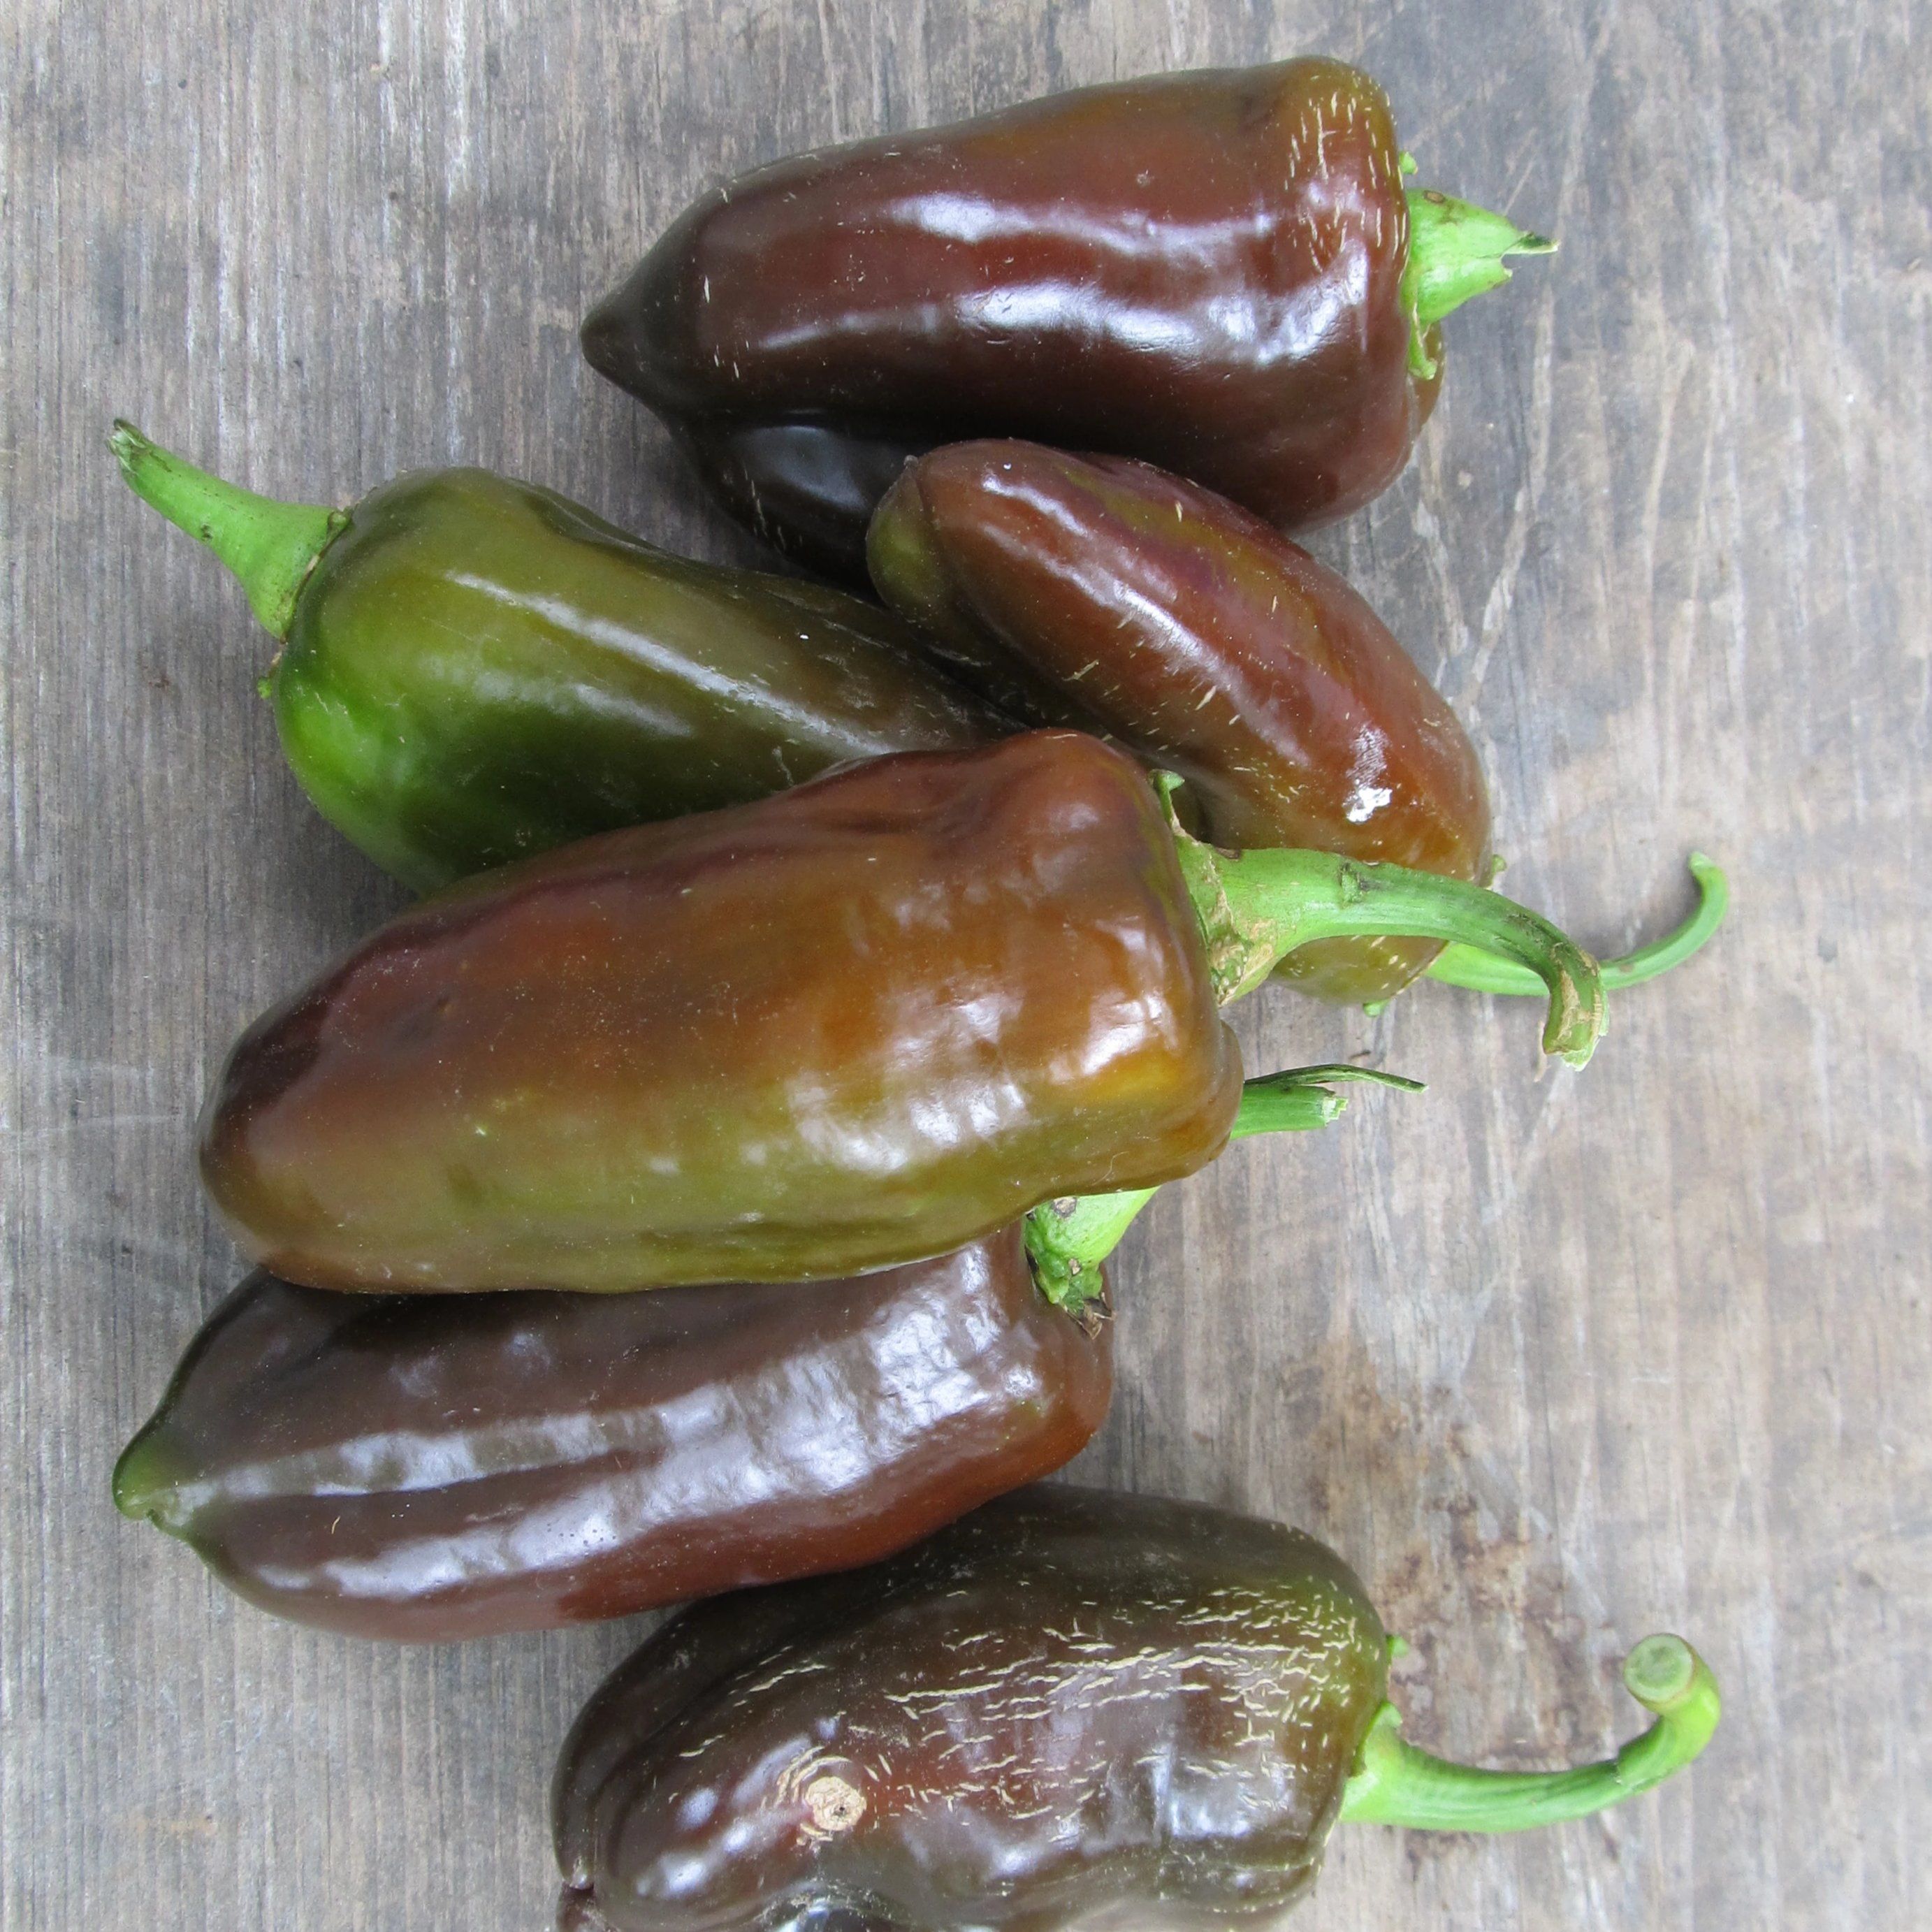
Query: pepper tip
point(128, 445)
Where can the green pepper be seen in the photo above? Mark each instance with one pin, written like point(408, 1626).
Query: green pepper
point(1070, 1708)
point(474, 670)
point(863, 1022)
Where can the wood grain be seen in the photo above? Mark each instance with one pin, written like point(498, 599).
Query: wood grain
point(1554, 1359)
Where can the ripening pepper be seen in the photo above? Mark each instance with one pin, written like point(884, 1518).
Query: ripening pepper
point(867, 1021)
point(1221, 271)
point(1102, 593)
point(1069, 1708)
point(473, 670)
point(430, 1467)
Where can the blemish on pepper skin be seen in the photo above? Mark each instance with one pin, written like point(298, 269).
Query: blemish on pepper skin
point(834, 1805)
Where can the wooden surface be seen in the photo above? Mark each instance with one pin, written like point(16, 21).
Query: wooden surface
point(1554, 1359)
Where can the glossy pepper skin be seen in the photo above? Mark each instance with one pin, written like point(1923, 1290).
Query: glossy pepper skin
point(1069, 1707)
point(870, 1020)
point(432, 1467)
point(1102, 593)
point(474, 670)
point(1203, 269)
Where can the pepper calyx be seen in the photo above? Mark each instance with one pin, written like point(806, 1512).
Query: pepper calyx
point(1236, 961)
point(1254, 908)
point(1069, 1239)
point(272, 547)
point(1456, 251)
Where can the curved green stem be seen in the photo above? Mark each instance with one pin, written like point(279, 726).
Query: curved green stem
point(1069, 1238)
point(1481, 973)
point(1255, 906)
point(271, 546)
point(1394, 1783)
point(1456, 251)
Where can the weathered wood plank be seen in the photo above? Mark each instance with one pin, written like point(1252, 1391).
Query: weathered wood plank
point(1554, 1359)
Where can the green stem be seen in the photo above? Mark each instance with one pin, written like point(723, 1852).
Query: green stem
point(1069, 1239)
point(1394, 1783)
point(1301, 1098)
point(1256, 907)
point(271, 546)
point(1456, 251)
point(1481, 973)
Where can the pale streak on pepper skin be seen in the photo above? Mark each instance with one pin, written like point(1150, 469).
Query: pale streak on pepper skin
point(1070, 1709)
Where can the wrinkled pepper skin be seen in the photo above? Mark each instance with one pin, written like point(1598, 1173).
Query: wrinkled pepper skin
point(865, 1021)
point(1102, 593)
point(430, 1468)
point(478, 669)
point(1071, 1709)
point(1202, 269)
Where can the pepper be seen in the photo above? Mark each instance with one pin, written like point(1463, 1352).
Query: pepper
point(1221, 271)
point(473, 670)
point(434, 1467)
point(1069, 1708)
point(430, 1468)
point(1102, 593)
point(865, 1021)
